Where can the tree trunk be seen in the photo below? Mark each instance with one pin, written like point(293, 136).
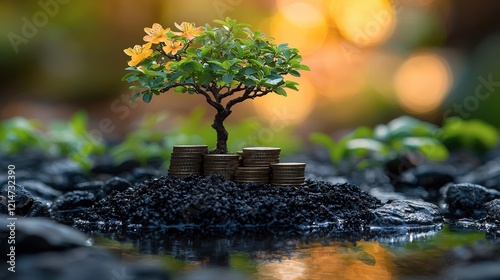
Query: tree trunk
point(222, 135)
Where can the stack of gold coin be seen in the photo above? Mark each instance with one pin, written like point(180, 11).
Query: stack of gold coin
point(187, 160)
point(252, 175)
point(260, 156)
point(288, 174)
point(222, 164)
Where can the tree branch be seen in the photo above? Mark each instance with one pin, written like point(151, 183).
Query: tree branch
point(198, 90)
point(250, 93)
point(230, 92)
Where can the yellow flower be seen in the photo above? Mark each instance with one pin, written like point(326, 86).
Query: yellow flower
point(156, 34)
point(173, 47)
point(138, 53)
point(188, 30)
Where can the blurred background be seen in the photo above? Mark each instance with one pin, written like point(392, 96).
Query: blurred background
point(370, 60)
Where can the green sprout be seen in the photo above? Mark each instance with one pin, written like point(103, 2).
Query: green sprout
point(366, 146)
point(57, 139)
point(226, 64)
point(473, 135)
point(143, 144)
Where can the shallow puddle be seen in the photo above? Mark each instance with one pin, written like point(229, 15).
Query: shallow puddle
point(409, 256)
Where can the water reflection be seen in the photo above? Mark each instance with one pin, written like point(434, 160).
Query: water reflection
point(300, 257)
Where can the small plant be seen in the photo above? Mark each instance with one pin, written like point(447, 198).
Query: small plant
point(19, 134)
point(473, 135)
point(143, 144)
point(366, 146)
point(57, 139)
point(226, 65)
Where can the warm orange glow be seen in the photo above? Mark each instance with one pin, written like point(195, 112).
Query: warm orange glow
point(283, 270)
point(422, 83)
point(301, 24)
point(341, 78)
point(364, 22)
point(365, 261)
point(416, 2)
point(296, 106)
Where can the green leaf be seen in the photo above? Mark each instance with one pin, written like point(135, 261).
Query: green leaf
point(429, 147)
point(78, 122)
point(326, 141)
point(280, 91)
point(227, 78)
point(274, 79)
point(475, 135)
point(135, 96)
point(147, 96)
point(294, 73)
point(191, 65)
point(304, 67)
point(406, 126)
point(362, 147)
point(180, 89)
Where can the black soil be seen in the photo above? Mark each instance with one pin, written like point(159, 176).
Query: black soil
point(213, 203)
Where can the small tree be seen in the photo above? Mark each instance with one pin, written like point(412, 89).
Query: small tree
point(227, 65)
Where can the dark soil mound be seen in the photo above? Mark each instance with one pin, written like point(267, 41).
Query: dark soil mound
point(214, 203)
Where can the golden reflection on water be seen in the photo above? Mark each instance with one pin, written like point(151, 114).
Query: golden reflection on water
point(366, 260)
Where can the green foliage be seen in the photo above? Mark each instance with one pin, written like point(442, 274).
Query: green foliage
point(474, 135)
point(229, 56)
point(145, 143)
point(71, 139)
point(406, 134)
point(18, 134)
point(226, 64)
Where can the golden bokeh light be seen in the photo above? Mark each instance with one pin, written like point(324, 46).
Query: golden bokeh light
point(367, 260)
point(301, 24)
point(295, 108)
point(364, 22)
point(422, 82)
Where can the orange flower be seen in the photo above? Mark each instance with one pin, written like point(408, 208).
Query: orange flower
point(173, 47)
point(156, 34)
point(138, 53)
point(167, 66)
point(188, 30)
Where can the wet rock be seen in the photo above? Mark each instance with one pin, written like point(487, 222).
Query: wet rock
point(38, 209)
point(70, 205)
point(487, 175)
point(83, 263)
point(493, 211)
point(467, 200)
point(94, 187)
point(425, 181)
point(116, 184)
point(429, 176)
point(407, 213)
point(90, 186)
point(212, 274)
point(62, 175)
point(212, 202)
point(35, 235)
point(41, 190)
point(46, 250)
point(24, 203)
